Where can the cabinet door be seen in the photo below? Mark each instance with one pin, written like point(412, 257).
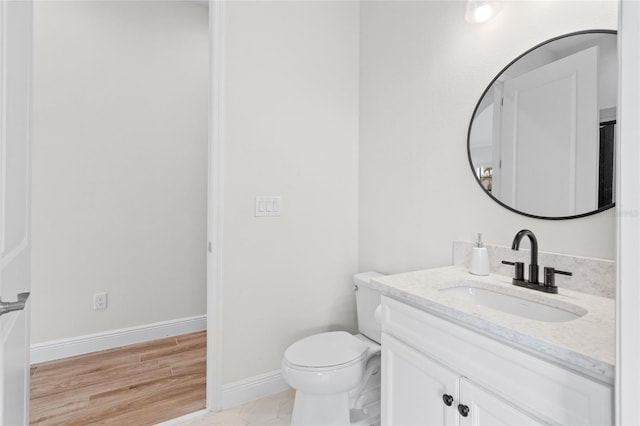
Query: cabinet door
point(414, 388)
point(486, 409)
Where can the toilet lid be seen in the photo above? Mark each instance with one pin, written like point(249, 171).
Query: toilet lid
point(325, 350)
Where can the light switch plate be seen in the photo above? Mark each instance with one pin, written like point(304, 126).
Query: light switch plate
point(268, 206)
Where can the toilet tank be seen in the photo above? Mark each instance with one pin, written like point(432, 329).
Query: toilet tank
point(367, 301)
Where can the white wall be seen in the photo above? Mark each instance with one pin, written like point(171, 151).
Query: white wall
point(119, 164)
point(301, 79)
point(291, 129)
point(423, 68)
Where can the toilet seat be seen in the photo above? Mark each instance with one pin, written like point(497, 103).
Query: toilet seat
point(335, 349)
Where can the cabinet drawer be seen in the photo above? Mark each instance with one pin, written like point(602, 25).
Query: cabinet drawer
point(547, 390)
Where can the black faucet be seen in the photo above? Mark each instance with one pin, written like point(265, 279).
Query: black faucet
point(549, 285)
point(533, 265)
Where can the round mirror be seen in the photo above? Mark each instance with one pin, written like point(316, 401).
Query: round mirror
point(541, 141)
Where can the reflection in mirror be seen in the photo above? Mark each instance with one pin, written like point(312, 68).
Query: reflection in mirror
point(541, 140)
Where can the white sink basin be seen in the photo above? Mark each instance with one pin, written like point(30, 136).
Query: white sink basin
point(512, 304)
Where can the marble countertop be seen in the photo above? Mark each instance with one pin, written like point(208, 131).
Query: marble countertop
point(585, 344)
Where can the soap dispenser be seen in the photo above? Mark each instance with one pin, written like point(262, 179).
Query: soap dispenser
point(479, 264)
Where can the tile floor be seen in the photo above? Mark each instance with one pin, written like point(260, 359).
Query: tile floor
point(273, 410)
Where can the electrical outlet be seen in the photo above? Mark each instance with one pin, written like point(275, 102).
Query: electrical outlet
point(100, 301)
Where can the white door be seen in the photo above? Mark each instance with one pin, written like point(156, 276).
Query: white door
point(550, 149)
point(416, 391)
point(15, 239)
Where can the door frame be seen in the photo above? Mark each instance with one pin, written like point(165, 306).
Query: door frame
point(215, 207)
point(628, 214)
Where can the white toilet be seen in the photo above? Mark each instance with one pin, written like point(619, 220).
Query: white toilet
point(336, 375)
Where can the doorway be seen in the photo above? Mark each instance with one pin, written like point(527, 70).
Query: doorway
point(119, 165)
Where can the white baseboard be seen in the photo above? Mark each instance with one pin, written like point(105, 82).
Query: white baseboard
point(238, 393)
point(57, 349)
point(252, 388)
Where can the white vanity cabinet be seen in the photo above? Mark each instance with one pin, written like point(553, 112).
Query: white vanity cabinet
point(419, 391)
point(429, 362)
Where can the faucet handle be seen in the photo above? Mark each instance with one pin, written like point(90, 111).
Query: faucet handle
point(549, 276)
point(518, 272)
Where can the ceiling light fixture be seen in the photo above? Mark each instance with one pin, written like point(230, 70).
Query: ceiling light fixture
point(479, 11)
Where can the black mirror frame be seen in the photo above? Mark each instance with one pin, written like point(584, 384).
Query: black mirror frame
point(473, 171)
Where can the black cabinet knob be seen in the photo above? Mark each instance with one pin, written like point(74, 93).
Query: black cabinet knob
point(463, 410)
point(448, 400)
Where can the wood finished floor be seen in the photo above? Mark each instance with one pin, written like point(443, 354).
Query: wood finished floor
point(140, 384)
